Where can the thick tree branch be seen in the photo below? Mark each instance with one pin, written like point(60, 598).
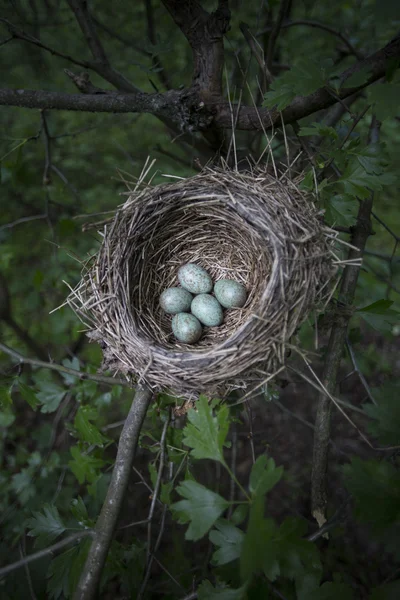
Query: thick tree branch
point(106, 523)
point(190, 113)
point(204, 32)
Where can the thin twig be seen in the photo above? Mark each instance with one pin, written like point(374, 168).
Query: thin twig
point(275, 32)
point(47, 149)
point(45, 552)
point(232, 486)
point(22, 220)
point(105, 526)
point(251, 436)
point(61, 369)
point(359, 372)
point(149, 554)
point(22, 552)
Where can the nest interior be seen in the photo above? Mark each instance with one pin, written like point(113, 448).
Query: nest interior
point(249, 227)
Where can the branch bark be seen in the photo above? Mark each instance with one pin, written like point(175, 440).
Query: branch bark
point(106, 523)
point(336, 343)
point(204, 32)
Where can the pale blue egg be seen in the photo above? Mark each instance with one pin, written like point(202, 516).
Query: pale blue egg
point(230, 293)
point(195, 279)
point(207, 309)
point(175, 300)
point(186, 328)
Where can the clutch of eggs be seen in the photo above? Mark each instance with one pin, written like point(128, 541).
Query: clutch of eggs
point(193, 305)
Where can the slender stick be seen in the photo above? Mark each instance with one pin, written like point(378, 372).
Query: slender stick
point(37, 555)
point(61, 369)
point(106, 523)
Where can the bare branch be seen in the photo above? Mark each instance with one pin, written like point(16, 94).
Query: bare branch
point(359, 372)
point(107, 520)
point(101, 63)
point(275, 32)
point(61, 369)
point(336, 343)
point(190, 113)
point(151, 33)
point(38, 555)
point(204, 32)
point(26, 37)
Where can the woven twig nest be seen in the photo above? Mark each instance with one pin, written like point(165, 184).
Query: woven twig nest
point(250, 227)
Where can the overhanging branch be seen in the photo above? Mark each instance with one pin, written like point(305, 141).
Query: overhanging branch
point(187, 110)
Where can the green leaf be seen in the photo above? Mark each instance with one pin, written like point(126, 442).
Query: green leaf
point(206, 591)
point(65, 570)
point(239, 514)
point(5, 396)
point(379, 315)
point(71, 364)
point(79, 511)
point(264, 475)
point(358, 78)
point(85, 467)
point(229, 539)
point(201, 508)
point(87, 432)
point(340, 209)
point(6, 418)
point(28, 395)
point(386, 415)
point(257, 549)
point(387, 591)
point(21, 483)
point(50, 396)
point(380, 307)
point(280, 96)
point(332, 591)
point(319, 129)
point(206, 434)
point(46, 526)
point(385, 99)
point(377, 504)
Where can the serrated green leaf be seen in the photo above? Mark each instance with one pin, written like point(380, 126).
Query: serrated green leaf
point(378, 504)
point(85, 467)
point(87, 432)
point(387, 591)
point(46, 526)
point(79, 511)
point(166, 491)
point(206, 591)
point(28, 395)
point(206, 434)
point(280, 96)
point(386, 414)
point(201, 508)
point(385, 99)
point(5, 396)
point(65, 570)
point(319, 129)
point(340, 209)
point(7, 418)
point(50, 396)
point(264, 475)
point(239, 514)
point(70, 364)
point(358, 78)
point(21, 483)
point(379, 315)
point(229, 539)
point(332, 591)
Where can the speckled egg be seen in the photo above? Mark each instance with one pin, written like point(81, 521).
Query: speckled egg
point(176, 300)
point(195, 279)
point(230, 294)
point(186, 328)
point(207, 309)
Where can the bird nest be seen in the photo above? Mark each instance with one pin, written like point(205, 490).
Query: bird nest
point(250, 227)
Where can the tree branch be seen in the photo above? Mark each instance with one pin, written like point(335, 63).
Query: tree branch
point(38, 555)
point(275, 32)
point(101, 63)
point(61, 369)
point(204, 32)
point(105, 526)
point(190, 113)
point(336, 343)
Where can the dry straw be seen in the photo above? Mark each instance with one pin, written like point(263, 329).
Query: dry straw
point(248, 226)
